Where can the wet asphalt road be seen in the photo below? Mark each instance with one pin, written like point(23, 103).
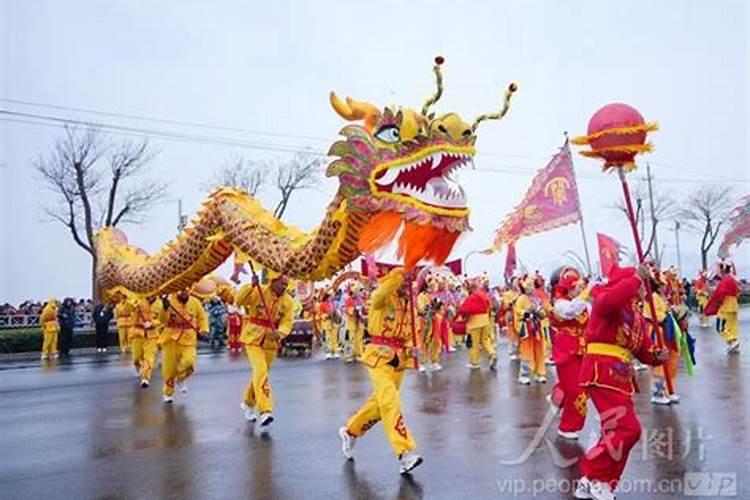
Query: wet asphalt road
point(86, 430)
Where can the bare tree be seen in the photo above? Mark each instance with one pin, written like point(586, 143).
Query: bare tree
point(664, 209)
point(705, 211)
point(92, 195)
point(242, 173)
point(302, 171)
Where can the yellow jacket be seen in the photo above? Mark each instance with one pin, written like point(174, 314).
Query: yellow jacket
point(124, 312)
point(659, 304)
point(48, 318)
point(180, 321)
point(389, 318)
point(146, 319)
point(256, 329)
point(520, 307)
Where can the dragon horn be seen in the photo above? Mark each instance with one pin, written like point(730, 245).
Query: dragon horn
point(439, 60)
point(500, 114)
point(355, 110)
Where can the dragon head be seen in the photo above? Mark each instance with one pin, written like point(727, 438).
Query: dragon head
point(401, 165)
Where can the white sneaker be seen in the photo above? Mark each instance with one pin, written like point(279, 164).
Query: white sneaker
point(265, 419)
point(583, 488)
point(408, 461)
point(493, 363)
point(336, 355)
point(347, 443)
point(183, 387)
point(422, 368)
point(145, 383)
point(573, 436)
point(524, 379)
point(549, 362)
point(541, 379)
point(471, 366)
point(436, 367)
point(600, 491)
point(674, 398)
point(44, 356)
point(639, 367)
point(104, 349)
point(329, 355)
point(168, 399)
point(733, 347)
point(249, 412)
point(451, 349)
point(551, 402)
point(660, 400)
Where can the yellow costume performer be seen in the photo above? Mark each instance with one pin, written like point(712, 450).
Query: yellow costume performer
point(123, 315)
point(527, 316)
point(386, 357)
point(183, 319)
point(261, 335)
point(144, 337)
point(50, 329)
point(659, 394)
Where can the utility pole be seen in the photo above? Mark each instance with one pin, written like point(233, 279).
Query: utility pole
point(653, 214)
point(181, 218)
point(677, 242)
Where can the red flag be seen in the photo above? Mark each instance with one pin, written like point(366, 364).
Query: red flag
point(739, 228)
point(510, 262)
point(550, 202)
point(609, 253)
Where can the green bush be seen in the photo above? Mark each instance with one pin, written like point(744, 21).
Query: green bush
point(30, 339)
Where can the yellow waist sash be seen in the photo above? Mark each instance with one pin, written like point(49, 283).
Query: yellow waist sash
point(609, 350)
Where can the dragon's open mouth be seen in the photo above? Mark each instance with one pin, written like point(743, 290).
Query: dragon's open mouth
point(430, 179)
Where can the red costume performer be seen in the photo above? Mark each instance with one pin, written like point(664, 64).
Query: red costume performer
point(615, 333)
point(568, 319)
point(234, 328)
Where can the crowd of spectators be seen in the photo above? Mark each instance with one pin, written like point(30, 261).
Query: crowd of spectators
point(27, 313)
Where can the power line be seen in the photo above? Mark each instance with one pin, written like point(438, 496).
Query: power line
point(58, 122)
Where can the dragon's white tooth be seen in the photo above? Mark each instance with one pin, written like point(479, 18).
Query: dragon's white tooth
point(389, 177)
point(437, 158)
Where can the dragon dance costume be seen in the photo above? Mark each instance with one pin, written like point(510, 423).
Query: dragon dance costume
point(144, 337)
point(724, 303)
point(568, 319)
point(182, 319)
point(268, 319)
point(615, 333)
point(386, 357)
point(50, 329)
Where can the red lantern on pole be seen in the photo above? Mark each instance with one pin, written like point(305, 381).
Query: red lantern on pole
point(616, 133)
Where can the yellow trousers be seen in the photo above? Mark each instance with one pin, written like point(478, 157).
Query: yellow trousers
point(531, 352)
point(332, 336)
point(729, 326)
point(356, 335)
point(481, 338)
point(123, 334)
point(384, 404)
point(144, 355)
point(258, 390)
point(177, 364)
point(49, 345)
point(431, 350)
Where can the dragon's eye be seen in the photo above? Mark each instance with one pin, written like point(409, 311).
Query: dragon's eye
point(388, 133)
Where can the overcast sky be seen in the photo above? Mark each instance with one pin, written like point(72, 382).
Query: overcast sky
point(269, 66)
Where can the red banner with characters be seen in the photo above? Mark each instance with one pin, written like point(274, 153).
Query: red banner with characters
point(550, 202)
point(383, 268)
point(609, 253)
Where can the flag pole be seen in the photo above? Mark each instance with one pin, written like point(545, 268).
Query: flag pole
point(641, 259)
point(580, 212)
